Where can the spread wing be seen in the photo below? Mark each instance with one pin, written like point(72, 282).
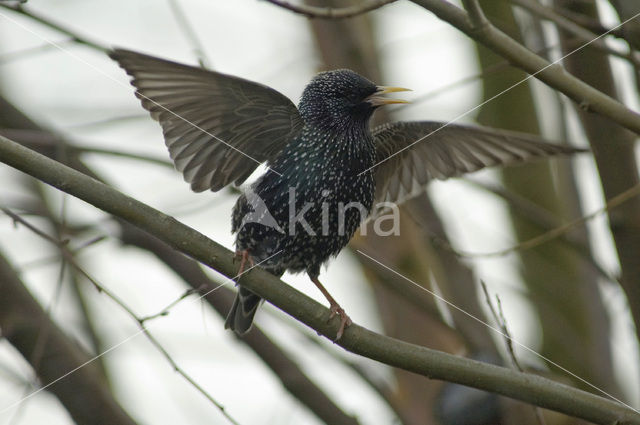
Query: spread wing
point(446, 152)
point(218, 128)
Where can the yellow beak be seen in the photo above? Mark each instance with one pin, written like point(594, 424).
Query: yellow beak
point(377, 100)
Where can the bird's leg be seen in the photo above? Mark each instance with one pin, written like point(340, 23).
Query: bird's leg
point(244, 259)
point(334, 307)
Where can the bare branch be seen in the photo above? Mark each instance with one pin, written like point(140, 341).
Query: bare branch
point(619, 199)
point(22, 321)
point(433, 364)
point(331, 13)
point(31, 51)
point(190, 33)
point(508, 340)
point(500, 321)
point(486, 71)
point(589, 23)
point(37, 138)
point(541, 218)
point(62, 245)
point(284, 368)
point(552, 74)
point(476, 15)
point(56, 26)
point(582, 33)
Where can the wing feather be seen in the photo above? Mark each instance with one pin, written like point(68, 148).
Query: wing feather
point(218, 128)
point(442, 151)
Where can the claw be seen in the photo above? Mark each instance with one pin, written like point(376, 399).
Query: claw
point(334, 307)
point(345, 320)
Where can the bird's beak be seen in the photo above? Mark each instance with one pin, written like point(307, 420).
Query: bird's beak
point(376, 98)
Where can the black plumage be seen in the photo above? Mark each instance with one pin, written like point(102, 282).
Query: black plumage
point(322, 157)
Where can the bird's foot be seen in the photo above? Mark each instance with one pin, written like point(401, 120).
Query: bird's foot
point(345, 320)
point(244, 258)
point(334, 307)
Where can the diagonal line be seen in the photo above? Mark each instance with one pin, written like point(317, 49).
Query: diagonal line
point(233, 279)
point(551, 234)
point(95, 68)
point(531, 350)
point(59, 47)
point(130, 337)
point(527, 78)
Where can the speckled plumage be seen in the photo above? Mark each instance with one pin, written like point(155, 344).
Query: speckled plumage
point(322, 164)
point(219, 128)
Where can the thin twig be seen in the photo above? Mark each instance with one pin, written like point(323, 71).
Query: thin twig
point(287, 371)
point(331, 13)
point(165, 311)
point(45, 138)
point(501, 321)
point(41, 341)
point(140, 321)
point(541, 218)
point(385, 391)
point(550, 73)
point(190, 33)
point(487, 71)
point(121, 154)
point(31, 51)
point(553, 233)
point(56, 26)
point(67, 371)
point(110, 120)
point(17, 219)
point(582, 33)
point(436, 365)
point(589, 23)
point(47, 260)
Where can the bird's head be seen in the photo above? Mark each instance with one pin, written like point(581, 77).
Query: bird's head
point(341, 98)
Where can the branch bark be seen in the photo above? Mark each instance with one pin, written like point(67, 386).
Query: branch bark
point(583, 34)
point(289, 373)
point(617, 165)
point(56, 26)
point(28, 328)
point(330, 12)
point(285, 369)
point(436, 365)
point(552, 74)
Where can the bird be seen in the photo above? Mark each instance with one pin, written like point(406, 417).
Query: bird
point(321, 156)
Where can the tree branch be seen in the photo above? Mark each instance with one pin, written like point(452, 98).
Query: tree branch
point(331, 13)
point(25, 324)
point(56, 26)
point(285, 369)
point(433, 364)
point(555, 232)
point(576, 30)
point(476, 15)
point(68, 257)
point(552, 74)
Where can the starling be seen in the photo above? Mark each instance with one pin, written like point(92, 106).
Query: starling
point(323, 159)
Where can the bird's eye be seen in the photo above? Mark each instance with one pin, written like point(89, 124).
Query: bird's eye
point(353, 97)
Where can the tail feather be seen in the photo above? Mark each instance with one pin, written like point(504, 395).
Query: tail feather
point(240, 317)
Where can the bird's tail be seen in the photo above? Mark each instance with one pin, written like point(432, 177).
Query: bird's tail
point(240, 317)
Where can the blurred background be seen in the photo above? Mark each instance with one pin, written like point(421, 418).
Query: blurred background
point(572, 304)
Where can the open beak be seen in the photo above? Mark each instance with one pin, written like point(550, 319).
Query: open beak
point(376, 98)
